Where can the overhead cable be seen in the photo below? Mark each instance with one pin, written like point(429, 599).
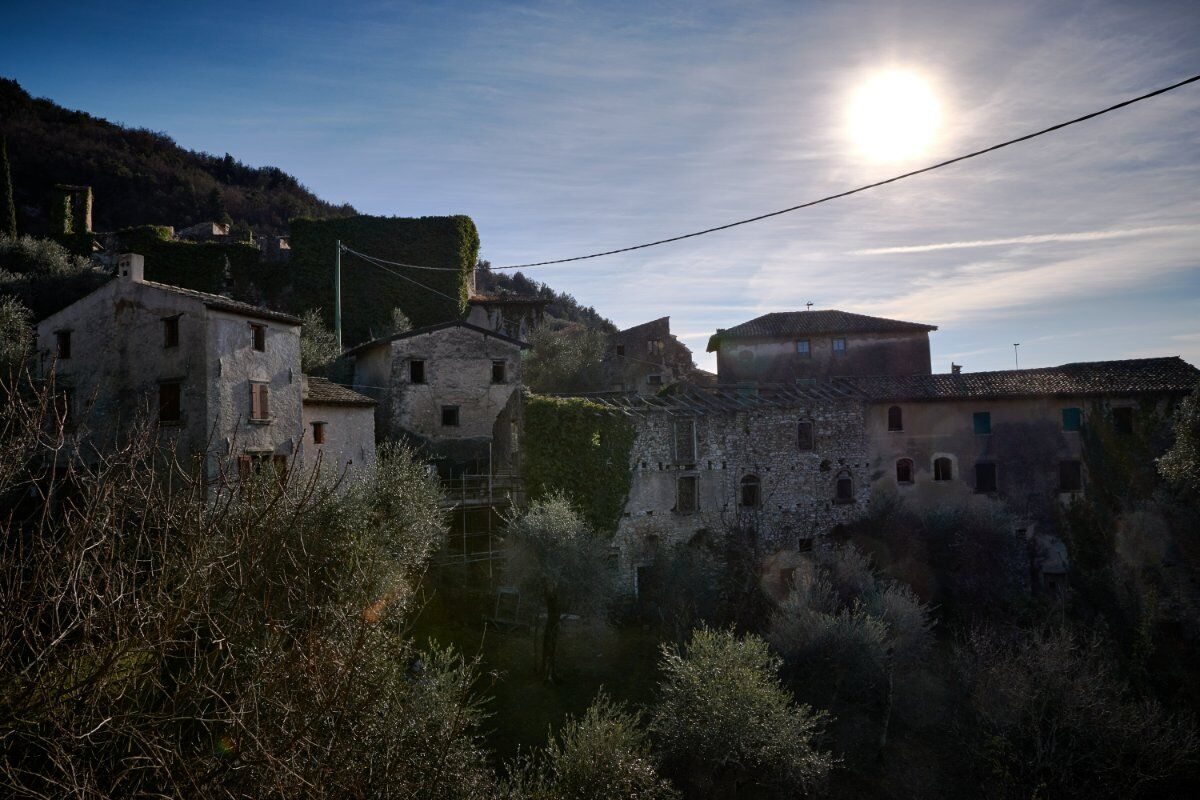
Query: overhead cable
point(874, 185)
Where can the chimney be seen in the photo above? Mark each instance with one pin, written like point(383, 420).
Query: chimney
point(131, 267)
point(955, 369)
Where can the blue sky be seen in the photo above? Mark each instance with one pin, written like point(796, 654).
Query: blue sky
point(564, 128)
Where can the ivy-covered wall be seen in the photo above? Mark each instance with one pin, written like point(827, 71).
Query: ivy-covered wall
point(581, 449)
point(369, 293)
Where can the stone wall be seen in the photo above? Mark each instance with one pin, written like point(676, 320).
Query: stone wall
point(776, 360)
point(349, 432)
point(797, 487)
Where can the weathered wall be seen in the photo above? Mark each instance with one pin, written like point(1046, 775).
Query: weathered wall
point(776, 361)
point(797, 487)
point(349, 446)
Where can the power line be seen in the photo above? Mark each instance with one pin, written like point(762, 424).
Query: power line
point(378, 261)
point(371, 261)
point(877, 184)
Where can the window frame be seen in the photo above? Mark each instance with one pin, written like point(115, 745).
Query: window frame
point(911, 471)
point(752, 483)
point(654, 379)
point(258, 336)
point(898, 424)
point(995, 477)
point(680, 456)
point(455, 413)
point(62, 337)
point(1067, 414)
point(260, 402)
point(178, 402)
point(1077, 466)
point(171, 332)
point(318, 431)
point(500, 377)
point(694, 482)
point(844, 477)
point(807, 351)
point(981, 423)
point(950, 468)
point(415, 366)
point(833, 344)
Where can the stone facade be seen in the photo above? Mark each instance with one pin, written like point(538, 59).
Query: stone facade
point(645, 358)
point(797, 495)
point(339, 429)
point(453, 389)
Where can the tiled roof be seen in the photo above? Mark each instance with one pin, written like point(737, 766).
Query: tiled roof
point(226, 304)
point(786, 324)
point(1133, 376)
point(693, 398)
point(326, 392)
point(454, 323)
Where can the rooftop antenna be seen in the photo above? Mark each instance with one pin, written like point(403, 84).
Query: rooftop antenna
point(1017, 354)
point(808, 306)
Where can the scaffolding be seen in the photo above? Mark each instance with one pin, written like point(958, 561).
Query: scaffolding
point(477, 507)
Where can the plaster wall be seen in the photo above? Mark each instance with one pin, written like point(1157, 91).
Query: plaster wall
point(776, 360)
point(349, 446)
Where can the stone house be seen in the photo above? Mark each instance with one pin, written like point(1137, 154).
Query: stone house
point(511, 314)
point(221, 378)
point(790, 346)
point(338, 427)
point(645, 358)
point(788, 461)
point(453, 389)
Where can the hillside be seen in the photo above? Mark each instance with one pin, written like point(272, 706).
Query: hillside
point(139, 176)
point(559, 305)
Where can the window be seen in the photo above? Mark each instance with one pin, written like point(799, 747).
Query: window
point(904, 470)
point(985, 477)
point(318, 432)
point(654, 346)
point(1070, 476)
point(498, 372)
point(943, 469)
point(804, 436)
point(1072, 419)
point(895, 419)
point(63, 341)
point(654, 380)
point(260, 407)
point(171, 332)
point(257, 462)
point(416, 371)
point(839, 347)
point(685, 495)
point(751, 494)
point(1123, 419)
point(685, 441)
point(802, 349)
point(450, 416)
point(260, 336)
point(983, 422)
point(620, 349)
point(844, 488)
point(169, 405)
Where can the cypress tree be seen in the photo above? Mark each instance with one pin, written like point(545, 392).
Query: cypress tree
point(8, 206)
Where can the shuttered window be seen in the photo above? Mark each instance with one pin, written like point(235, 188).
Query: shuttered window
point(685, 441)
point(685, 495)
point(1072, 419)
point(260, 407)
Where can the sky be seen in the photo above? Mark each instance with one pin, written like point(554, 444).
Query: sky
point(567, 128)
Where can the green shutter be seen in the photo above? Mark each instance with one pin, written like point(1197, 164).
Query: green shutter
point(983, 422)
point(1072, 419)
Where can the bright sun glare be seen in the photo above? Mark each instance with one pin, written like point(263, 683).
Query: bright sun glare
point(894, 116)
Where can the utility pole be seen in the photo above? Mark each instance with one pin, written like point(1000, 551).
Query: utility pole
point(337, 294)
point(1016, 353)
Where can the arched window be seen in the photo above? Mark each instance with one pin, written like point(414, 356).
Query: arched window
point(904, 470)
point(895, 419)
point(805, 436)
point(844, 488)
point(943, 469)
point(751, 492)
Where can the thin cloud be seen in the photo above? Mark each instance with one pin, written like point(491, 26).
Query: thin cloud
point(1082, 236)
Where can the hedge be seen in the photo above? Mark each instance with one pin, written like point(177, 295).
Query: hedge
point(369, 293)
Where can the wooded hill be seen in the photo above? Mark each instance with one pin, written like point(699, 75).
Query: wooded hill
point(139, 176)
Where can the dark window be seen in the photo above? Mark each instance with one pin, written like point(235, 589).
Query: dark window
point(904, 470)
point(985, 477)
point(498, 372)
point(169, 406)
point(450, 416)
point(654, 380)
point(685, 495)
point(844, 488)
point(1070, 476)
point(171, 332)
point(983, 422)
point(685, 441)
point(63, 339)
point(804, 436)
point(416, 371)
point(895, 419)
point(802, 349)
point(751, 494)
point(260, 406)
point(1123, 419)
point(1072, 419)
point(943, 469)
point(839, 347)
point(260, 336)
point(620, 349)
point(318, 432)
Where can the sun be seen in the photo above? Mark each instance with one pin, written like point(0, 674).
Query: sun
point(894, 116)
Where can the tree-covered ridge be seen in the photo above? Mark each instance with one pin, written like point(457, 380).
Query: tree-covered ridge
point(559, 305)
point(139, 176)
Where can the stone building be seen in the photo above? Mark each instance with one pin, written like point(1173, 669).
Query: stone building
point(788, 461)
point(221, 378)
point(645, 358)
point(452, 389)
point(790, 346)
point(514, 315)
point(338, 428)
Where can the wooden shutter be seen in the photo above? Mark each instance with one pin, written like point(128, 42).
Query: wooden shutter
point(244, 467)
point(264, 406)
